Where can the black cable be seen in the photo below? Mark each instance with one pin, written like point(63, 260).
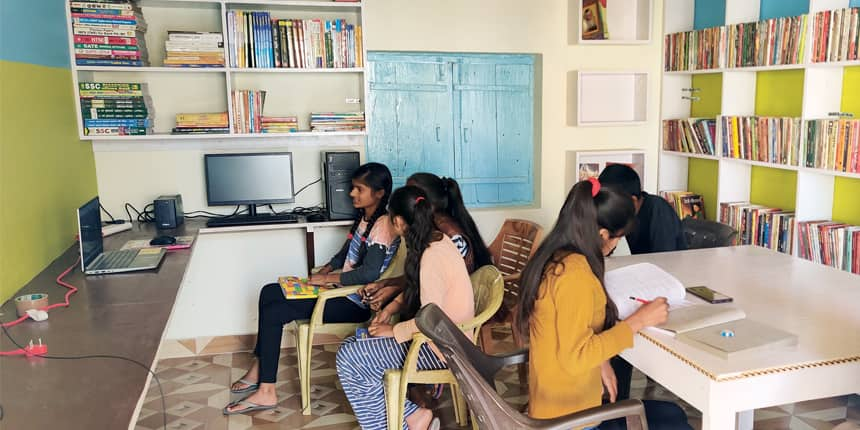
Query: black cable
point(212, 214)
point(142, 217)
point(112, 220)
point(95, 356)
point(308, 185)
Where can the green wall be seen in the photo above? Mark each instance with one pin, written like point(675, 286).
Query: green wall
point(710, 95)
point(46, 172)
point(776, 188)
point(702, 179)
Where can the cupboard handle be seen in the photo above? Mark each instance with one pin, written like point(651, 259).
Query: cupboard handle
point(437, 134)
point(465, 134)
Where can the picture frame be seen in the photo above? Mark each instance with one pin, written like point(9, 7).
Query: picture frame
point(592, 20)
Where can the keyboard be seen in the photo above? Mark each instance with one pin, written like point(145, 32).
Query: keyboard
point(252, 220)
point(115, 259)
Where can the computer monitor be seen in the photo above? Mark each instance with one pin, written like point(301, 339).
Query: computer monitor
point(249, 179)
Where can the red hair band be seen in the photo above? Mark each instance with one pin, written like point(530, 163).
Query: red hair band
point(363, 239)
point(595, 186)
point(418, 199)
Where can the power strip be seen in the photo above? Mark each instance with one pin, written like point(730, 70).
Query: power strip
point(115, 228)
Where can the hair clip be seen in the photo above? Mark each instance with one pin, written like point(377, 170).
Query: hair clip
point(418, 199)
point(349, 236)
point(595, 186)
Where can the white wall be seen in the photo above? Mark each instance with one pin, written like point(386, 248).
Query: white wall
point(126, 174)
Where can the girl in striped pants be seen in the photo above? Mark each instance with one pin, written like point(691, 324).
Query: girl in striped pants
point(435, 273)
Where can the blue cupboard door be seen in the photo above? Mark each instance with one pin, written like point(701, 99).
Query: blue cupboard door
point(496, 122)
point(410, 128)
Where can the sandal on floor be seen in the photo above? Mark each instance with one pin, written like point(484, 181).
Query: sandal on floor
point(251, 407)
point(251, 386)
point(434, 425)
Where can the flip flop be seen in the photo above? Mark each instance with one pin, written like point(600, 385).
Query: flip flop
point(434, 425)
point(251, 386)
point(251, 407)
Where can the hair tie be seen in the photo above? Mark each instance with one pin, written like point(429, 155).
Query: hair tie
point(418, 199)
point(595, 186)
point(349, 236)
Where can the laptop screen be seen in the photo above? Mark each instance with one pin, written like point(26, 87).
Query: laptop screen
point(90, 232)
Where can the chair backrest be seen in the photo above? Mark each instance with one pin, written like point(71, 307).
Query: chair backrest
point(707, 234)
point(511, 249)
point(489, 290)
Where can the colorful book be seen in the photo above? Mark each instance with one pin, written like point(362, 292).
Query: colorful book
point(298, 288)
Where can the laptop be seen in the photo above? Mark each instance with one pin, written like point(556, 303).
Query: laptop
point(94, 261)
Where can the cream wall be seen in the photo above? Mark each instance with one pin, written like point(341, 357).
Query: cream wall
point(126, 174)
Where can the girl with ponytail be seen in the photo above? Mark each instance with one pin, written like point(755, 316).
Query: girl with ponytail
point(435, 273)
point(571, 322)
point(366, 253)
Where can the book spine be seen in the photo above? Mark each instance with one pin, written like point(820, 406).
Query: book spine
point(102, 40)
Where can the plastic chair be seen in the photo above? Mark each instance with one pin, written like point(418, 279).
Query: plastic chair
point(305, 330)
point(707, 234)
point(475, 373)
point(514, 245)
point(488, 288)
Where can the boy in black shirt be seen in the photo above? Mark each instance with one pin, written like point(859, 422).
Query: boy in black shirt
point(658, 229)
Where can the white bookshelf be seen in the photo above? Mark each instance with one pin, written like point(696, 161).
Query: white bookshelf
point(822, 94)
point(628, 22)
point(289, 91)
point(610, 98)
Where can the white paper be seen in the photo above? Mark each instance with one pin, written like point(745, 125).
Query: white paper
point(645, 281)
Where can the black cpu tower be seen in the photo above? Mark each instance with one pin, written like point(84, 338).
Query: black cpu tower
point(168, 211)
point(337, 170)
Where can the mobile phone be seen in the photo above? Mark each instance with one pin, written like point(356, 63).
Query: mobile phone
point(708, 294)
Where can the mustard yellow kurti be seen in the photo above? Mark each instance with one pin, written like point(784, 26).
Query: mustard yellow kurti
point(567, 345)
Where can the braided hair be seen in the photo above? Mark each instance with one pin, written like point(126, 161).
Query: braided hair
point(377, 177)
point(411, 204)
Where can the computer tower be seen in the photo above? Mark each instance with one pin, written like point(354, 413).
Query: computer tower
point(337, 171)
point(168, 211)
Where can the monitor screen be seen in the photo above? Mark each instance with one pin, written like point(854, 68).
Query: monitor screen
point(255, 178)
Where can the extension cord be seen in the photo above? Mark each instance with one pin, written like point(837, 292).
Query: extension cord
point(115, 228)
point(29, 350)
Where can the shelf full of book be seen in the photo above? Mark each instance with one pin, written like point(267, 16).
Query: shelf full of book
point(303, 59)
point(757, 109)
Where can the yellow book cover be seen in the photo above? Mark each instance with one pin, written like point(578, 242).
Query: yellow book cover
point(735, 142)
point(298, 288)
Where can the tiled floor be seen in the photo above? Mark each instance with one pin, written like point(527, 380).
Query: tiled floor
point(196, 389)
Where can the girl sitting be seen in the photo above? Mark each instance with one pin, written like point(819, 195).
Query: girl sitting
point(435, 273)
point(369, 247)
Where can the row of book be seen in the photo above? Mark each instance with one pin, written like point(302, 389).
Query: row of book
point(760, 225)
point(194, 49)
point(831, 243)
point(337, 121)
point(115, 109)
point(765, 43)
point(248, 110)
point(202, 123)
point(766, 139)
point(685, 203)
point(259, 41)
point(280, 124)
point(836, 35)
point(690, 135)
point(108, 33)
point(833, 144)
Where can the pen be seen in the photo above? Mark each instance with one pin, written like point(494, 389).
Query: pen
point(640, 300)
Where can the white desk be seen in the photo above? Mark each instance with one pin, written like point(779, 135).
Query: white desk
point(818, 303)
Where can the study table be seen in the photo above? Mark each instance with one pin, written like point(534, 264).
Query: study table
point(821, 305)
point(123, 314)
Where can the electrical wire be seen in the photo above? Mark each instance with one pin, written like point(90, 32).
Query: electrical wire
point(67, 303)
point(112, 220)
point(308, 185)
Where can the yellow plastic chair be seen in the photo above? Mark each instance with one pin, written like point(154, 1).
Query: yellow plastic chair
point(306, 329)
point(489, 289)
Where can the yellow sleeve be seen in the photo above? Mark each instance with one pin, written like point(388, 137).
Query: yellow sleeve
point(578, 344)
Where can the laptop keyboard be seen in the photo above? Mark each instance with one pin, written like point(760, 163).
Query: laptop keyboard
point(115, 259)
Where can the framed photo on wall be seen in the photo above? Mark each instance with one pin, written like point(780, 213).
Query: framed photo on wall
point(593, 21)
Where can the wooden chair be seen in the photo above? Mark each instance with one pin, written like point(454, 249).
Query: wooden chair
point(514, 245)
point(475, 373)
point(305, 330)
point(488, 288)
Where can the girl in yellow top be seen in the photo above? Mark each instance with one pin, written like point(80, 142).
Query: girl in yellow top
point(572, 324)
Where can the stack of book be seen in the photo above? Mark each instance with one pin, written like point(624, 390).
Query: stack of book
point(258, 41)
point(108, 33)
point(831, 243)
point(691, 135)
point(280, 124)
point(202, 123)
point(115, 109)
point(337, 121)
point(248, 111)
point(833, 144)
point(194, 49)
point(685, 203)
point(760, 225)
point(766, 139)
point(836, 35)
point(694, 50)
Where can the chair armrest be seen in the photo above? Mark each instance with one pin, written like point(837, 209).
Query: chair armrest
point(624, 408)
point(319, 307)
point(513, 358)
point(513, 277)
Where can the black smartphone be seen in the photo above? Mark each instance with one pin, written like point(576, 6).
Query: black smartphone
point(708, 294)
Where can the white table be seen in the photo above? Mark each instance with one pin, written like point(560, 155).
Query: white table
point(819, 304)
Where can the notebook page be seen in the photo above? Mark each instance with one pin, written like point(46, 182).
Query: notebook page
point(646, 281)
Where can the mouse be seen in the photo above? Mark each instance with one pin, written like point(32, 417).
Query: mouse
point(315, 218)
point(163, 240)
